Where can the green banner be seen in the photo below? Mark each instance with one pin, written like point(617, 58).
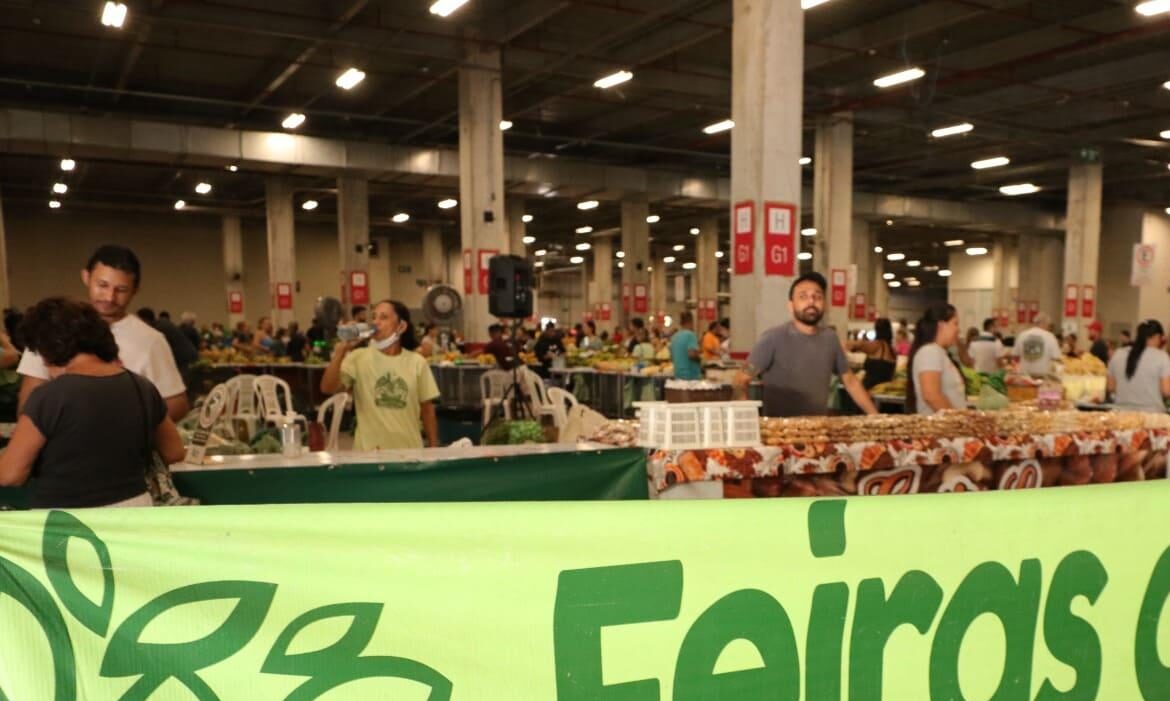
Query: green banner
point(1044, 595)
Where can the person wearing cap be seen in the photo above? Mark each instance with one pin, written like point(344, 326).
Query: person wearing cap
point(1100, 348)
point(798, 359)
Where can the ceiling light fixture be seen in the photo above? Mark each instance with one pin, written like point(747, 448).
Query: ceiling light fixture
point(528, 240)
point(653, 219)
point(1165, 134)
point(679, 247)
point(233, 168)
point(584, 246)
point(913, 263)
point(808, 232)
point(694, 231)
point(576, 260)
point(621, 264)
point(895, 283)
point(913, 283)
point(180, 204)
point(293, 121)
point(944, 273)
point(443, 8)
point(995, 162)
point(68, 164)
point(538, 264)
point(203, 188)
point(805, 160)
point(1021, 189)
point(889, 222)
point(1166, 85)
point(309, 205)
point(804, 255)
point(60, 188)
point(527, 218)
point(690, 265)
point(540, 253)
point(669, 259)
point(584, 230)
point(953, 130)
point(620, 254)
point(954, 243)
point(587, 204)
point(977, 251)
point(718, 254)
point(878, 249)
point(613, 79)
point(895, 257)
point(889, 81)
point(725, 125)
point(809, 4)
point(888, 276)
point(54, 204)
point(350, 78)
point(1153, 7)
point(400, 218)
point(114, 14)
point(505, 125)
point(448, 203)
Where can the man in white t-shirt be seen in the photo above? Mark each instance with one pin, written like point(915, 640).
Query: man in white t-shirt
point(112, 277)
point(1037, 348)
point(986, 351)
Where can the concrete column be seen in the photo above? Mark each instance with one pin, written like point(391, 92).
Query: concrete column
point(481, 175)
point(233, 267)
point(706, 277)
point(1082, 235)
point(1154, 298)
point(833, 206)
point(659, 301)
point(881, 291)
point(5, 290)
point(767, 82)
point(603, 278)
point(636, 245)
point(353, 231)
point(516, 228)
point(434, 257)
point(282, 245)
point(861, 244)
point(1001, 292)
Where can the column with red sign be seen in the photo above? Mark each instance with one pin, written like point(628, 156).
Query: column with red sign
point(625, 297)
point(359, 287)
point(743, 238)
point(1088, 301)
point(1072, 296)
point(859, 307)
point(641, 298)
point(468, 274)
point(780, 240)
point(837, 287)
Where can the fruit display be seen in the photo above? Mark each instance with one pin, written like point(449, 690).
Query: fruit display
point(1088, 364)
point(224, 356)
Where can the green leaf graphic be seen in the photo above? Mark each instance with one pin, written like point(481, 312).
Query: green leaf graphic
point(33, 596)
point(59, 528)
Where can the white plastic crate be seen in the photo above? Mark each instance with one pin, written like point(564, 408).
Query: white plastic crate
point(666, 426)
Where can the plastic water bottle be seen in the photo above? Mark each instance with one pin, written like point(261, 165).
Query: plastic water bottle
point(354, 332)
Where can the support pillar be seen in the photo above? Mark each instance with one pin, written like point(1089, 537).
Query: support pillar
point(517, 228)
point(833, 207)
point(767, 82)
point(636, 245)
point(1082, 236)
point(659, 302)
point(233, 267)
point(603, 278)
point(706, 276)
point(861, 244)
point(353, 235)
point(282, 247)
point(434, 257)
point(1001, 292)
point(483, 228)
point(5, 289)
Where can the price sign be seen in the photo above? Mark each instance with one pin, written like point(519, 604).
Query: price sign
point(1089, 301)
point(780, 240)
point(859, 306)
point(744, 236)
point(235, 302)
point(1021, 312)
point(605, 312)
point(837, 285)
point(284, 295)
point(641, 304)
point(1072, 295)
point(359, 287)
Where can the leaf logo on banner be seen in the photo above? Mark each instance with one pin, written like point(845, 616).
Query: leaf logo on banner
point(60, 527)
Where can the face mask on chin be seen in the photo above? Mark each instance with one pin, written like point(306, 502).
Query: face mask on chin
point(387, 342)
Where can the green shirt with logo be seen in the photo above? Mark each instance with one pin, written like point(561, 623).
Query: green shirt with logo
point(388, 392)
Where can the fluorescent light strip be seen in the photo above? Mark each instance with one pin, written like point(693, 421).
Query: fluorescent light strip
point(653, 219)
point(995, 162)
point(448, 203)
point(888, 276)
point(60, 188)
point(180, 204)
point(804, 255)
point(805, 160)
point(678, 247)
point(587, 204)
point(1020, 189)
point(203, 189)
point(349, 79)
point(1153, 7)
point(944, 273)
point(309, 205)
point(895, 283)
point(444, 8)
point(527, 218)
point(584, 246)
point(977, 251)
point(68, 164)
point(1165, 134)
point(54, 204)
point(400, 218)
point(889, 81)
point(810, 4)
point(725, 125)
point(689, 265)
point(953, 130)
point(669, 259)
point(953, 243)
point(895, 257)
point(576, 260)
point(293, 121)
point(584, 230)
point(808, 232)
point(613, 79)
point(505, 125)
point(913, 263)
point(114, 14)
point(528, 240)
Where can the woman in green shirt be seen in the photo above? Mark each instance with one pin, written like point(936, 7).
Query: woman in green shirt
point(392, 386)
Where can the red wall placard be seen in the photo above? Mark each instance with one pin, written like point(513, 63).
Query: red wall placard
point(743, 224)
point(780, 239)
point(837, 282)
point(641, 304)
point(1021, 312)
point(485, 257)
point(708, 309)
point(1089, 301)
point(284, 295)
point(859, 306)
point(235, 302)
point(605, 312)
point(1072, 295)
point(359, 287)
point(468, 280)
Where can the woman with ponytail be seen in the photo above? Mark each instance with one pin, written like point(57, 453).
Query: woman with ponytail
point(936, 383)
point(1139, 376)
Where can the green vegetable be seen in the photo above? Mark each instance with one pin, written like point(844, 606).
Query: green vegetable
point(973, 380)
point(512, 433)
point(996, 380)
point(990, 400)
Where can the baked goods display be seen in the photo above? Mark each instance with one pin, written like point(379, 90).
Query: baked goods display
point(687, 391)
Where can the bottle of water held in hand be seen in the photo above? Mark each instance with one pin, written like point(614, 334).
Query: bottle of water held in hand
point(356, 331)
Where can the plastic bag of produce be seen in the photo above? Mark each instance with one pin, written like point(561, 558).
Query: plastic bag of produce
point(990, 400)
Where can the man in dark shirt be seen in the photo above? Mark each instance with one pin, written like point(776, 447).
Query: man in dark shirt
point(504, 352)
point(548, 346)
point(185, 354)
point(187, 326)
point(1100, 348)
point(636, 325)
point(296, 343)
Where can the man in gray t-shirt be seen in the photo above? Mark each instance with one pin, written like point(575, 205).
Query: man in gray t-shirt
point(797, 360)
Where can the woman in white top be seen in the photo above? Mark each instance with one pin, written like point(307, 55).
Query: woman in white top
point(936, 382)
point(1139, 376)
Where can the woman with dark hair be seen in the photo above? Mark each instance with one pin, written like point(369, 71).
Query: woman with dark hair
point(1139, 376)
point(880, 358)
point(392, 386)
point(936, 383)
point(87, 436)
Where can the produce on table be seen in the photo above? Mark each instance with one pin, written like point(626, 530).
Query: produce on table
point(515, 432)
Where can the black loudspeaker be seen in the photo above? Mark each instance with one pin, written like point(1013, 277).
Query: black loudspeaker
point(510, 296)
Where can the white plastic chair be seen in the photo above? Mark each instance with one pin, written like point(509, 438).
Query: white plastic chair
point(533, 386)
point(337, 404)
point(241, 404)
point(562, 403)
point(493, 386)
point(273, 406)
